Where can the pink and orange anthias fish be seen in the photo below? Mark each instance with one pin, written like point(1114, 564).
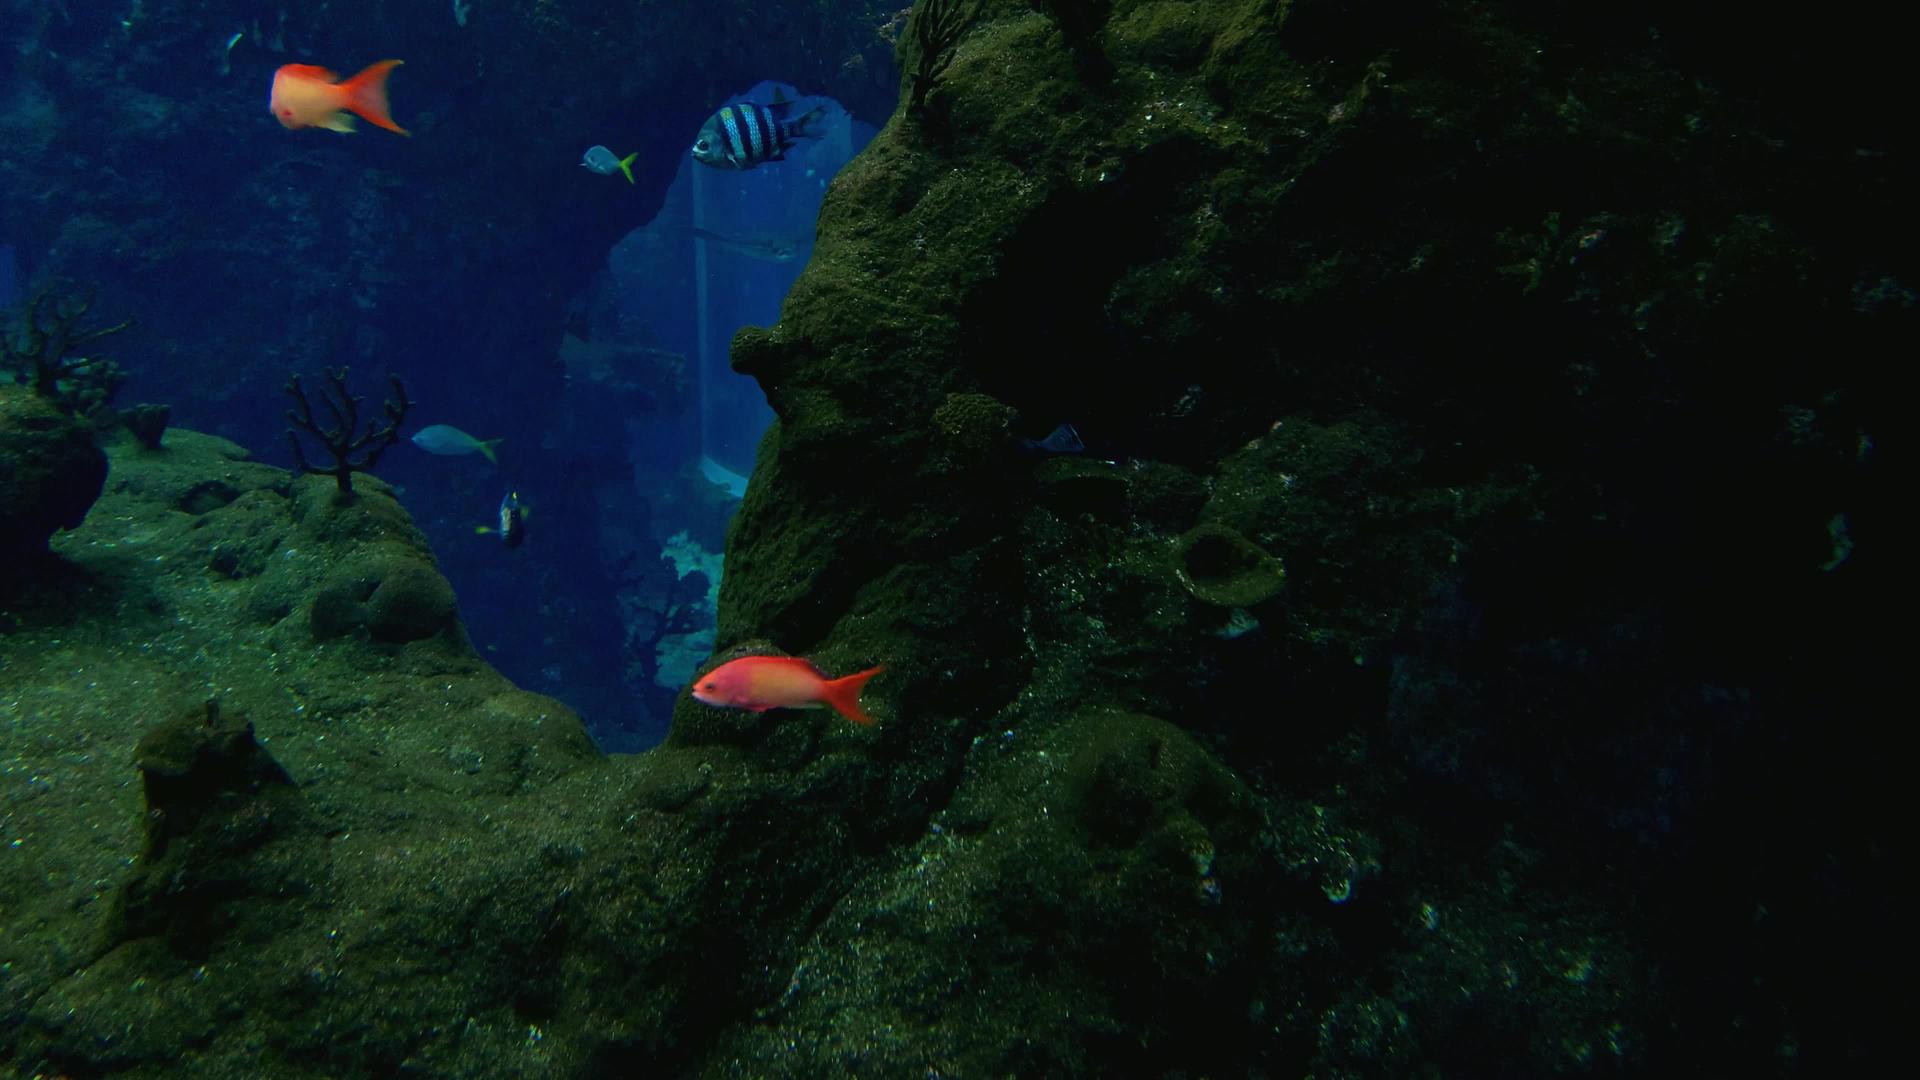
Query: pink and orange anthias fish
point(308, 96)
point(759, 683)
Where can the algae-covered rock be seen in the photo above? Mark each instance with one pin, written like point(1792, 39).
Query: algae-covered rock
point(199, 474)
point(970, 429)
point(51, 472)
point(1524, 336)
point(373, 514)
point(1072, 487)
point(1134, 774)
point(676, 776)
point(397, 597)
point(213, 795)
point(1218, 565)
point(190, 762)
point(242, 536)
point(148, 423)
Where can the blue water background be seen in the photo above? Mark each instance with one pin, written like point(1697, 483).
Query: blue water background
point(613, 486)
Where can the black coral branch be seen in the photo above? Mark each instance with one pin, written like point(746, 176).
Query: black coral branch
point(352, 450)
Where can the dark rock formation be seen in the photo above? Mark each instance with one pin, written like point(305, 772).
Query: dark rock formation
point(1220, 566)
point(148, 423)
point(50, 473)
point(1547, 348)
point(213, 798)
point(1494, 324)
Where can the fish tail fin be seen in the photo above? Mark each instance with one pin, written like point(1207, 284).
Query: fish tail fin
point(808, 124)
point(844, 695)
point(487, 448)
point(366, 94)
point(626, 165)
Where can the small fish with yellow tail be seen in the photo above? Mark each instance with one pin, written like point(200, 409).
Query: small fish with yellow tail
point(759, 683)
point(450, 441)
point(602, 160)
point(513, 521)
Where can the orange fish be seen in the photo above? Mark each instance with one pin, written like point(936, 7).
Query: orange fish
point(308, 96)
point(760, 683)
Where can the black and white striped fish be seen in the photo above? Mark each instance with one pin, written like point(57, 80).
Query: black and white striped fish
point(744, 135)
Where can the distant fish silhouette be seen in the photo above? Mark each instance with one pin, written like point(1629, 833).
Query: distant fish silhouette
point(769, 247)
point(719, 474)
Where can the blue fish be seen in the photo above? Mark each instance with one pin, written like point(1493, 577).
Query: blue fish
point(602, 160)
point(744, 135)
point(452, 442)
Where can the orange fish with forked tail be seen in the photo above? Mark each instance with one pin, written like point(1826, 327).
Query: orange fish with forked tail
point(308, 96)
point(759, 683)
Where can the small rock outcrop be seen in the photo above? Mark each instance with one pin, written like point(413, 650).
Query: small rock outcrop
point(50, 474)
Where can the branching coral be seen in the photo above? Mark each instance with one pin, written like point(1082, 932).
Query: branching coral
point(933, 33)
point(39, 352)
point(339, 439)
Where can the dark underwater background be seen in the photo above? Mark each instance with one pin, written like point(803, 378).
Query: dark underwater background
point(1373, 514)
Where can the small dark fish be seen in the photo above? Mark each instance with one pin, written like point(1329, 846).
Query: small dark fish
point(748, 134)
point(1064, 439)
point(513, 521)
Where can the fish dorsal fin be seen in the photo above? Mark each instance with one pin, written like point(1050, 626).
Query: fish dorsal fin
point(311, 71)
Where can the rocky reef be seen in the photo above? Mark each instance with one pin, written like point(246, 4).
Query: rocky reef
point(50, 473)
point(1449, 654)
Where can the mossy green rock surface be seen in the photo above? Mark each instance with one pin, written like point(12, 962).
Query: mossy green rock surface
point(1464, 314)
point(50, 474)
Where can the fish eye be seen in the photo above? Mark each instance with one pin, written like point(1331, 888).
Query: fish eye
point(711, 686)
point(700, 147)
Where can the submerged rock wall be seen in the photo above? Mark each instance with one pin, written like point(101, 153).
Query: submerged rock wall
point(1444, 654)
point(1478, 412)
